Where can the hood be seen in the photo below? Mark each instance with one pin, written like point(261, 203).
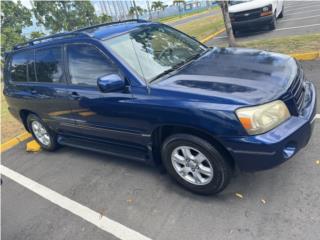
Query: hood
point(234, 75)
point(249, 5)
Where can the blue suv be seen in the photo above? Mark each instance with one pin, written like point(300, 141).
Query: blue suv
point(149, 92)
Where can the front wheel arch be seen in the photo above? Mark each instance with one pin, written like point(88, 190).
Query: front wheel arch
point(161, 133)
point(219, 175)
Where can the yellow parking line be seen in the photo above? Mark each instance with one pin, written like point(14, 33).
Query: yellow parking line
point(11, 143)
point(206, 39)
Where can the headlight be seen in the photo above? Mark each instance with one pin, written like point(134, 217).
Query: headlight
point(260, 119)
point(267, 8)
point(266, 11)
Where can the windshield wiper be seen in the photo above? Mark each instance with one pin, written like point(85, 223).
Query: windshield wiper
point(180, 64)
point(196, 56)
point(165, 72)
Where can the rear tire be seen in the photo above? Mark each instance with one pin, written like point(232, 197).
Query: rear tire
point(195, 164)
point(46, 138)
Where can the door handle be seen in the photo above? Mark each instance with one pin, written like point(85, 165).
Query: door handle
point(33, 91)
point(75, 95)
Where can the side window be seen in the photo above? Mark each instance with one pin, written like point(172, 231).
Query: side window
point(87, 64)
point(49, 65)
point(22, 67)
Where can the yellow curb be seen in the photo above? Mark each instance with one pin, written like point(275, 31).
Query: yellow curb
point(206, 39)
point(11, 143)
point(306, 56)
point(33, 146)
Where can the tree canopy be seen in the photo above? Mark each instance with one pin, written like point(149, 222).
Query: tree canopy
point(158, 5)
point(14, 17)
point(54, 16)
point(135, 11)
point(57, 16)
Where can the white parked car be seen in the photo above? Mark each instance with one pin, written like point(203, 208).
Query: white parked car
point(250, 14)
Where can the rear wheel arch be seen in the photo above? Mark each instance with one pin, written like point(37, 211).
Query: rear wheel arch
point(161, 133)
point(24, 116)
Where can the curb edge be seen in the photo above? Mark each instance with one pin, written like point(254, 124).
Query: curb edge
point(14, 141)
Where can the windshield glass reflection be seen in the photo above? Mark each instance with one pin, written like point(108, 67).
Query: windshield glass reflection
point(154, 49)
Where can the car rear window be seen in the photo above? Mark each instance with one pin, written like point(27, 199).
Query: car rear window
point(49, 65)
point(22, 67)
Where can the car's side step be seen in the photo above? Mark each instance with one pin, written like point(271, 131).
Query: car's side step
point(107, 148)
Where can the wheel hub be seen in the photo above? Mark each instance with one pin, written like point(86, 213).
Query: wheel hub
point(192, 165)
point(41, 133)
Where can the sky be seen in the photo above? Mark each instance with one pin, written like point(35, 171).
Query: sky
point(141, 3)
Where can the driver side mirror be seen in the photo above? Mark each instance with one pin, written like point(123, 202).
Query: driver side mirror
point(111, 83)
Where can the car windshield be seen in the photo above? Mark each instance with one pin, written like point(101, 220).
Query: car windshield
point(155, 50)
point(234, 2)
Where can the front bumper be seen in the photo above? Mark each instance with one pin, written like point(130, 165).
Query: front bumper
point(252, 23)
point(265, 151)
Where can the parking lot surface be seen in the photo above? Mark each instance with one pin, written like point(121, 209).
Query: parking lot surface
point(282, 203)
point(300, 17)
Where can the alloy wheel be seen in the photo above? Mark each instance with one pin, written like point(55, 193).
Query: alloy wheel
point(192, 165)
point(41, 133)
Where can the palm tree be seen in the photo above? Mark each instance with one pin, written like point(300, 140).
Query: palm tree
point(157, 5)
point(135, 11)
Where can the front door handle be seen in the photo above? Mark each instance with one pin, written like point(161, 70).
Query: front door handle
point(33, 91)
point(75, 95)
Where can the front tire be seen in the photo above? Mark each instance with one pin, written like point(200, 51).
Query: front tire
point(195, 164)
point(281, 15)
point(46, 138)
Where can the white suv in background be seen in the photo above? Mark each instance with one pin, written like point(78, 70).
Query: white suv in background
point(252, 14)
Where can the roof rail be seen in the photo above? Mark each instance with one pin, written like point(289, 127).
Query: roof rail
point(48, 38)
point(78, 32)
point(110, 23)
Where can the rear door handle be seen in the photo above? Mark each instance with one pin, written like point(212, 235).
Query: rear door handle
point(75, 95)
point(33, 91)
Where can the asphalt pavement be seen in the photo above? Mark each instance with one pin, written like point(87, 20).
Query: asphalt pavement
point(300, 17)
point(142, 199)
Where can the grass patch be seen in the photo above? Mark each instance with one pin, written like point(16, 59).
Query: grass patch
point(290, 44)
point(174, 18)
point(203, 27)
point(10, 127)
point(287, 45)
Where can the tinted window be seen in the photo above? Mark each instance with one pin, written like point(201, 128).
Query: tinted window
point(22, 67)
point(49, 65)
point(87, 64)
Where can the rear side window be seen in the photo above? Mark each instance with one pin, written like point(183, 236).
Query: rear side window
point(87, 64)
point(49, 65)
point(22, 67)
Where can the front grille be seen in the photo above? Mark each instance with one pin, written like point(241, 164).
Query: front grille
point(247, 15)
point(298, 91)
